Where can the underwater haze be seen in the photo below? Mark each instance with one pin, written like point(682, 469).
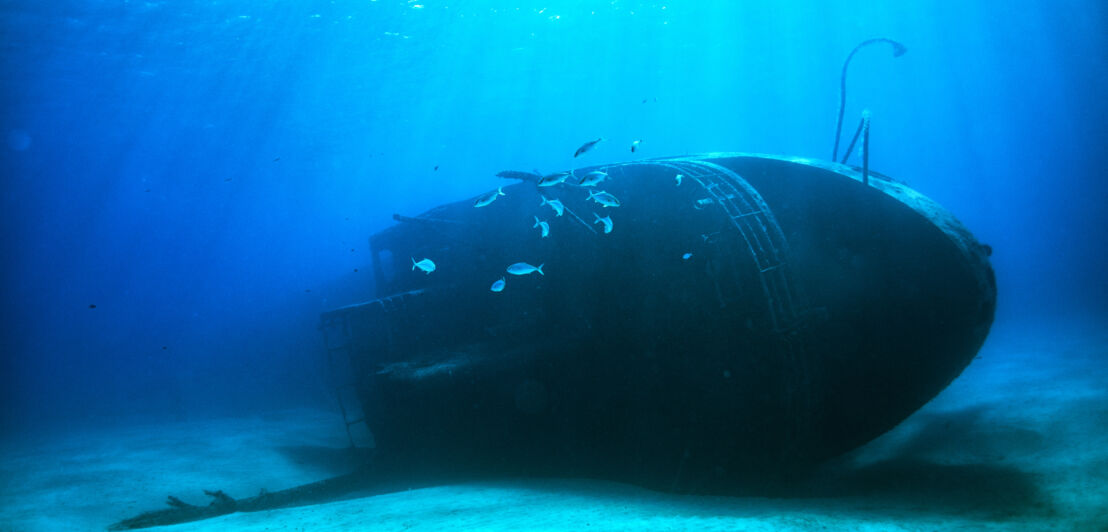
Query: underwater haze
point(188, 185)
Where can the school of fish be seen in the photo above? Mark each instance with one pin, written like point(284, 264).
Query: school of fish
point(601, 198)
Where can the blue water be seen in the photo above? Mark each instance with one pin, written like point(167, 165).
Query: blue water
point(187, 184)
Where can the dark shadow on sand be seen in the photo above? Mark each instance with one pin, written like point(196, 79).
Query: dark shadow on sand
point(946, 463)
point(912, 475)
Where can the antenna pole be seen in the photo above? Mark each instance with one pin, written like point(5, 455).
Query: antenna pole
point(865, 148)
point(898, 50)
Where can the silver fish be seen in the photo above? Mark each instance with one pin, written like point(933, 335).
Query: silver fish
point(553, 179)
point(522, 176)
point(522, 268)
point(554, 204)
point(635, 145)
point(587, 146)
point(489, 198)
point(701, 203)
point(603, 198)
point(678, 179)
point(545, 227)
point(686, 256)
point(607, 221)
point(498, 285)
point(426, 265)
point(593, 178)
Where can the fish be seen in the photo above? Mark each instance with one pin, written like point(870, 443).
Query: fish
point(710, 237)
point(554, 204)
point(498, 285)
point(678, 178)
point(522, 268)
point(593, 178)
point(607, 221)
point(553, 179)
point(545, 227)
point(489, 198)
point(686, 256)
point(587, 146)
point(701, 203)
point(426, 265)
point(635, 145)
point(522, 176)
point(603, 198)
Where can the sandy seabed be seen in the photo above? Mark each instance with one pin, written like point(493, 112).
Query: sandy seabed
point(1018, 442)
